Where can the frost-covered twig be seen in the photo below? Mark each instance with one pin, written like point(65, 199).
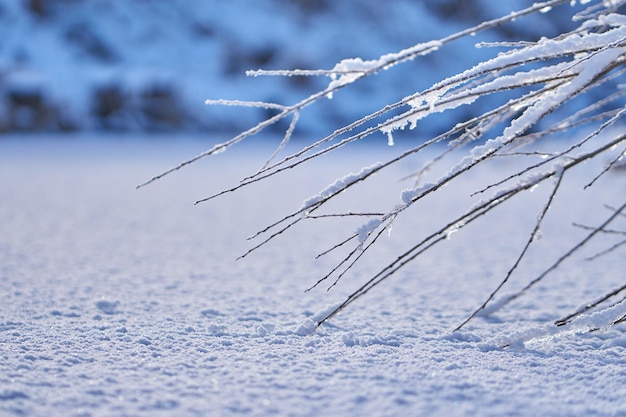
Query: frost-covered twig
point(532, 90)
point(349, 76)
point(476, 212)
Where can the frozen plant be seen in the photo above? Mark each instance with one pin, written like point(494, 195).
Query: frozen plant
point(534, 90)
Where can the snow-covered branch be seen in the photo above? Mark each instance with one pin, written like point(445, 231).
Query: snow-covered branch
point(534, 91)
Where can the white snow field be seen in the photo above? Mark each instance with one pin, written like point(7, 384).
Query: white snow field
point(124, 302)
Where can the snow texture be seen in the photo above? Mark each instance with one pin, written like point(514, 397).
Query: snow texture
point(118, 302)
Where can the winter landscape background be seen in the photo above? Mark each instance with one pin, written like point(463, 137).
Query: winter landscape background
point(73, 65)
point(124, 302)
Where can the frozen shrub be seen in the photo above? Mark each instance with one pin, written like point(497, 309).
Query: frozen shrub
point(160, 107)
point(109, 102)
point(535, 89)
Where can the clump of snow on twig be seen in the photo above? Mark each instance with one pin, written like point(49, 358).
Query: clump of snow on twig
point(338, 186)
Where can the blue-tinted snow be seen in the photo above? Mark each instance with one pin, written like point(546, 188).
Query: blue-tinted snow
point(118, 302)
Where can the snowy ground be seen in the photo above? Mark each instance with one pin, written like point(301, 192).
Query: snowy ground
point(118, 302)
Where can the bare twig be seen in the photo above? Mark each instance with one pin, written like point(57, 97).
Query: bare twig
point(531, 238)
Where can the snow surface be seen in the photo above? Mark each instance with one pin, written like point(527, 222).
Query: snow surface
point(118, 302)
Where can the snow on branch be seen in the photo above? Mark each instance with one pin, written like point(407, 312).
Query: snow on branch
point(522, 97)
point(339, 186)
point(385, 62)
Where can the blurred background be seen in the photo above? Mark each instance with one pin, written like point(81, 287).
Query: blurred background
point(148, 65)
